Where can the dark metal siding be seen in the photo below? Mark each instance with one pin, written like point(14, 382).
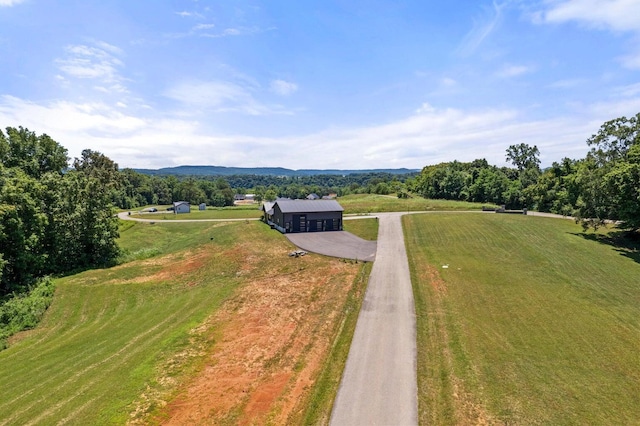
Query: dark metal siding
point(306, 222)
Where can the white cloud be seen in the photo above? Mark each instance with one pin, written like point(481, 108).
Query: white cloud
point(425, 108)
point(7, 3)
point(185, 14)
point(220, 96)
point(568, 83)
point(232, 32)
point(616, 15)
point(283, 88)
point(201, 27)
point(98, 62)
point(631, 61)
point(482, 28)
point(448, 82)
point(628, 91)
point(137, 136)
point(513, 71)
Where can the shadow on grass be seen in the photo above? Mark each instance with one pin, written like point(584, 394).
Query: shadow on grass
point(624, 242)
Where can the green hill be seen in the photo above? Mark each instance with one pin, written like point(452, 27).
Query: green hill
point(264, 171)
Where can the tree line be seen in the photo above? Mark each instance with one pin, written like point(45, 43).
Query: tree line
point(603, 186)
point(53, 219)
point(141, 189)
point(57, 216)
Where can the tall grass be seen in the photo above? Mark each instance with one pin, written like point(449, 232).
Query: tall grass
point(530, 322)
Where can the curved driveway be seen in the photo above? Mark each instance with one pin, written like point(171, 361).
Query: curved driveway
point(335, 243)
point(379, 383)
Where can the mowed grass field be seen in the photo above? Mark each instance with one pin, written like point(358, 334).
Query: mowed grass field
point(367, 229)
point(532, 322)
point(239, 212)
point(373, 203)
point(117, 344)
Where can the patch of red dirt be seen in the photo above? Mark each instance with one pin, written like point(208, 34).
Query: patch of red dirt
point(432, 276)
point(270, 342)
point(171, 267)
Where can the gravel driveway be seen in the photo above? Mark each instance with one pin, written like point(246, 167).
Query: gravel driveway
point(336, 244)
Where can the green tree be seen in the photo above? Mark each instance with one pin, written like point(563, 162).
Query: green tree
point(189, 190)
point(22, 229)
point(608, 177)
point(34, 155)
point(524, 156)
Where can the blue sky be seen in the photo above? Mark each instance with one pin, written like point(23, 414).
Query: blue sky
point(331, 84)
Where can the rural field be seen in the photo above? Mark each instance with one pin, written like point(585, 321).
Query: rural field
point(239, 212)
point(353, 204)
point(203, 322)
point(373, 203)
point(524, 320)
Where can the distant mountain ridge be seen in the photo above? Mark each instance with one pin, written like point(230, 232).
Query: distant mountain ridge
point(263, 171)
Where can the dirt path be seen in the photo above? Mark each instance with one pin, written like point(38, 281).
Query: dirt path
point(379, 384)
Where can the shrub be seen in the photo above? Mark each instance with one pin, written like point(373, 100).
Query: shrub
point(24, 311)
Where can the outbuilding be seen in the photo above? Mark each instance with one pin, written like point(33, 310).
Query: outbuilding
point(181, 207)
point(304, 215)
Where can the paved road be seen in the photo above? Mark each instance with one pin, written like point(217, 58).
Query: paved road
point(335, 243)
point(379, 384)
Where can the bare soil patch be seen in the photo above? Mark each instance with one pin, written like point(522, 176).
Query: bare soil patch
point(268, 342)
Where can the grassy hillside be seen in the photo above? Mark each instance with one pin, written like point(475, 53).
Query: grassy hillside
point(119, 342)
point(531, 323)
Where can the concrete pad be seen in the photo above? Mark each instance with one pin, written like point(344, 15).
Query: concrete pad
point(341, 244)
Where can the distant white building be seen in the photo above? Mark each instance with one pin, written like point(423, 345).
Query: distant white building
point(181, 207)
point(202, 206)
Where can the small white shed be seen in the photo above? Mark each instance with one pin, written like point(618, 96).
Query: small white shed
point(202, 206)
point(181, 207)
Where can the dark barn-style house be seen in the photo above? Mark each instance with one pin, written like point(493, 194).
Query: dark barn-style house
point(304, 215)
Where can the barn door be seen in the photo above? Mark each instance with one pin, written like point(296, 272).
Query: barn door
point(299, 223)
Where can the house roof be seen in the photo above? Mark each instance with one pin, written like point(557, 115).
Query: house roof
point(267, 206)
point(308, 206)
point(178, 203)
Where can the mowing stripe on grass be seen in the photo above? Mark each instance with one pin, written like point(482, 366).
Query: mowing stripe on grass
point(531, 322)
point(104, 335)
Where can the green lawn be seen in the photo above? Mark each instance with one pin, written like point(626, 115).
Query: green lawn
point(364, 228)
point(531, 323)
point(109, 333)
point(372, 203)
point(240, 212)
